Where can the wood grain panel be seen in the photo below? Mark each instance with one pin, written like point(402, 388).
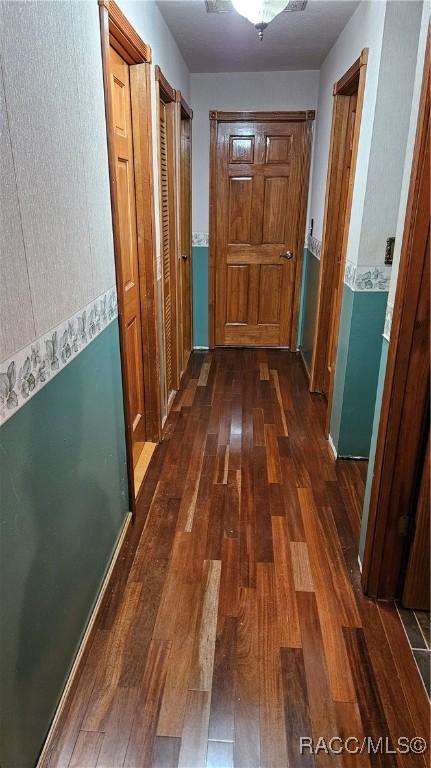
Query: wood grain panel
point(247, 741)
point(321, 707)
point(278, 149)
point(239, 210)
point(271, 277)
point(272, 723)
point(87, 749)
point(301, 567)
point(275, 210)
point(195, 732)
point(237, 286)
point(241, 149)
point(296, 709)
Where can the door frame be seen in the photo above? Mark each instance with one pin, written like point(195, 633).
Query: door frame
point(352, 80)
point(115, 30)
point(167, 94)
point(397, 458)
point(215, 118)
point(184, 112)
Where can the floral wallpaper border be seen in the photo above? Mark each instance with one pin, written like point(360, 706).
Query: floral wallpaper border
point(364, 277)
point(314, 246)
point(388, 321)
point(200, 239)
point(26, 372)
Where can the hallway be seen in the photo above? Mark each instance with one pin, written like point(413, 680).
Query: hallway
point(237, 624)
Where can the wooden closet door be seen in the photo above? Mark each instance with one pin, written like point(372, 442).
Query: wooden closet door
point(186, 239)
point(258, 209)
point(167, 246)
point(128, 265)
point(350, 103)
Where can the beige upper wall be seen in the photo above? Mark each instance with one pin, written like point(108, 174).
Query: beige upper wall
point(57, 252)
point(386, 29)
point(295, 90)
point(56, 248)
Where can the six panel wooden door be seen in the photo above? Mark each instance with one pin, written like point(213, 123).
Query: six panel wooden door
point(128, 266)
point(259, 197)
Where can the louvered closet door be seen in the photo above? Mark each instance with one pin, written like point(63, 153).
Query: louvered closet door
point(165, 245)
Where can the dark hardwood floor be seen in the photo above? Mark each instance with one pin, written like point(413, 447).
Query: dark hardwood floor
point(235, 623)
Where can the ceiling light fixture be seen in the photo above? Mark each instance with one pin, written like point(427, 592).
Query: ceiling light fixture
point(259, 12)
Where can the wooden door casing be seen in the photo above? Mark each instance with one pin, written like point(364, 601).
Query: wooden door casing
point(416, 592)
point(185, 220)
point(128, 264)
point(261, 169)
point(341, 214)
point(346, 120)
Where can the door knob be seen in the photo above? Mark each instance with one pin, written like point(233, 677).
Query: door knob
point(184, 257)
point(287, 255)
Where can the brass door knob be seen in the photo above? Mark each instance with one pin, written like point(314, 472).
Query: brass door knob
point(287, 255)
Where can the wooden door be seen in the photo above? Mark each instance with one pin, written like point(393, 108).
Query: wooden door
point(346, 121)
point(127, 257)
point(167, 247)
point(416, 592)
point(260, 204)
point(186, 240)
point(340, 216)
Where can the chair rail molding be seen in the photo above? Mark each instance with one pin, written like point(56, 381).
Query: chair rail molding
point(32, 367)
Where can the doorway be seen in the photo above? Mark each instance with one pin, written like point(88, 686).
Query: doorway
point(185, 222)
point(168, 200)
point(258, 195)
point(126, 64)
point(346, 121)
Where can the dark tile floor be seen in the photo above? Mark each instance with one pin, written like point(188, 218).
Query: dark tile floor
point(417, 626)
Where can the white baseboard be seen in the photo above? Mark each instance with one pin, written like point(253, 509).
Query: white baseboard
point(332, 446)
point(348, 457)
point(84, 641)
point(202, 348)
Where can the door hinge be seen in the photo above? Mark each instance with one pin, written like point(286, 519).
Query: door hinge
point(406, 525)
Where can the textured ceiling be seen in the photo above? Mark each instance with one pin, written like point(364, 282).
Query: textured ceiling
point(226, 42)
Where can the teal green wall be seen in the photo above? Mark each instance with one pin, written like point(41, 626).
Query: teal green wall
point(307, 318)
point(63, 488)
point(357, 370)
point(376, 419)
point(200, 296)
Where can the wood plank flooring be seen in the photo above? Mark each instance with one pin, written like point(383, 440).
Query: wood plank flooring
point(235, 623)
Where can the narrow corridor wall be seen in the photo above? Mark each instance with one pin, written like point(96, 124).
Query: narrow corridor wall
point(384, 28)
point(63, 478)
point(421, 48)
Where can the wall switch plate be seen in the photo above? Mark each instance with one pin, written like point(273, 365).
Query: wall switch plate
point(389, 251)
